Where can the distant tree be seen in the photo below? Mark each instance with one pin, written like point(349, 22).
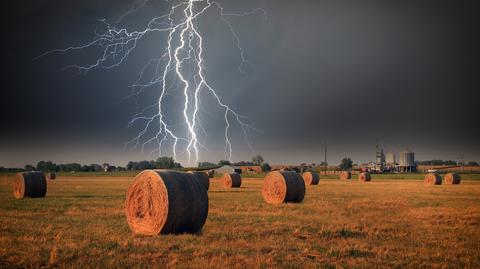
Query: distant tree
point(85, 168)
point(258, 159)
point(47, 166)
point(133, 166)
point(206, 165)
point(224, 162)
point(450, 162)
point(166, 163)
point(346, 164)
point(243, 163)
point(29, 167)
point(472, 163)
point(69, 167)
point(143, 165)
point(266, 167)
point(323, 164)
point(95, 167)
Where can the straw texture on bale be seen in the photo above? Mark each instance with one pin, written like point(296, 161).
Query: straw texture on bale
point(344, 175)
point(452, 178)
point(203, 177)
point(364, 176)
point(232, 180)
point(283, 187)
point(311, 178)
point(51, 176)
point(163, 202)
point(433, 179)
point(29, 184)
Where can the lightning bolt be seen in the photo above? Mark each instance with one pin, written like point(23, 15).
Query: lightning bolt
point(179, 70)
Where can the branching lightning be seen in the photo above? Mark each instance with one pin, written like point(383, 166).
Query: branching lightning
point(179, 69)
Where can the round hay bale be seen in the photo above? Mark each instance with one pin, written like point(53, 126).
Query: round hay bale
point(203, 176)
point(232, 180)
point(163, 202)
point(283, 187)
point(452, 178)
point(29, 184)
point(364, 177)
point(51, 176)
point(311, 178)
point(344, 175)
point(433, 179)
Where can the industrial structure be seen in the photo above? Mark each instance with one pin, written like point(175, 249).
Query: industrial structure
point(379, 159)
point(388, 163)
point(406, 162)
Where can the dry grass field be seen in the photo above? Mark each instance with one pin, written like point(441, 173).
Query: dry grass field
point(384, 223)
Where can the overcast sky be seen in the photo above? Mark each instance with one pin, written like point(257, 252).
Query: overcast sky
point(349, 72)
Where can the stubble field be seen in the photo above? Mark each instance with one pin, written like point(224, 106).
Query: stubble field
point(383, 223)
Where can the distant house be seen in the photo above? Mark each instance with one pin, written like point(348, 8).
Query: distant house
point(227, 169)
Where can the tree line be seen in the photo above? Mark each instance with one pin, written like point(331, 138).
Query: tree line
point(448, 162)
point(160, 163)
point(257, 160)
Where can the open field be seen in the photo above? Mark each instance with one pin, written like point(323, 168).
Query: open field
point(384, 223)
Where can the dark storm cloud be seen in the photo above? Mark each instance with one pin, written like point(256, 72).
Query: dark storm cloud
point(345, 71)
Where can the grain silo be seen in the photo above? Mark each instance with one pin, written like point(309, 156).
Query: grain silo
point(390, 162)
point(390, 159)
point(406, 161)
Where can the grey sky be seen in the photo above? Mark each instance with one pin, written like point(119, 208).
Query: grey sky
point(345, 71)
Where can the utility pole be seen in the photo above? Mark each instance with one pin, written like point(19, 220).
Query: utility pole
point(326, 165)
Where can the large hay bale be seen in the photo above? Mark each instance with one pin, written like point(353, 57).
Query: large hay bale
point(203, 176)
point(344, 175)
point(162, 202)
point(364, 177)
point(452, 178)
point(311, 178)
point(51, 176)
point(433, 179)
point(283, 187)
point(232, 180)
point(29, 184)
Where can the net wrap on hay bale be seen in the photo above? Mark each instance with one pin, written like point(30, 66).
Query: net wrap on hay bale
point(51, 176)
point(452, 178)
point(344, 175)
point(364, 177)
point(311, 178)
point(29, 184)
point(232, 180)
point(203, 177)
point(283, 187)
point(163, 202)
point(433, 179)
